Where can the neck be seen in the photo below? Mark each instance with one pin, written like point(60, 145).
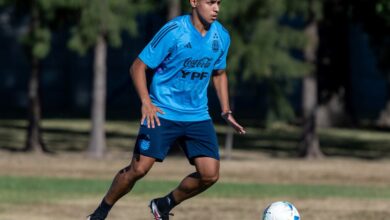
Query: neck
point(199, 23)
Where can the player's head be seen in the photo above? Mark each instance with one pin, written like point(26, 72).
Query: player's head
point(206, 10)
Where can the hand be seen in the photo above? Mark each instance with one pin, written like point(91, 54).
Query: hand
point(149, 113)
point(228, 116)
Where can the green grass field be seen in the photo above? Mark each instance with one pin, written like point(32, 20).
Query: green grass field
point(45, 189)
point(352, 183)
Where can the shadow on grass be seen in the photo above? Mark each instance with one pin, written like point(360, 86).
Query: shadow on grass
point(12, 138)
point(281, 142)
point(287, 144)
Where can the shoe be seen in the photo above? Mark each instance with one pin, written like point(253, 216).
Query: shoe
point(156, 213)
point(92, 217)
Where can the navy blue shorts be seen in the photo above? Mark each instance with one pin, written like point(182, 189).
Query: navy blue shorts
point(197, 139)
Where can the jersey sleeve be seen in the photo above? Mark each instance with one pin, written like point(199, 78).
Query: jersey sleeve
point(158, 48)
point(220, 64)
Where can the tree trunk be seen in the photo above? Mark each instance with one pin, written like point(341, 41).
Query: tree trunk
point(229, 139)
point(311, 146)
point(384, 116)
point(332, 113)
point(97, 141)
point(174, 9)
point(34, 140)
point(34, 133)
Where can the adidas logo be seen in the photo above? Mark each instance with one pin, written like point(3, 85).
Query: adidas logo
point(188, 45)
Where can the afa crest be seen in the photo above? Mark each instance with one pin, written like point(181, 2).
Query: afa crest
point(143, 142)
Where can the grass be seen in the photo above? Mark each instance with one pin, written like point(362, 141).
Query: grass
point(278, 140)
point(19, 190)
point(38, 196)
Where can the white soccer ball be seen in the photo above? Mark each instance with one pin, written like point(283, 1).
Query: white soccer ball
point(281, 210)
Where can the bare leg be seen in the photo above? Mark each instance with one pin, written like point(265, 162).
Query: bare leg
point(207, 173)
point(127, 177)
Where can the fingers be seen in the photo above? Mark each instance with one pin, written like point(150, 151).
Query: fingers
point(237, 127)
point(156, 118)
point(240, 130)
point(149, 115)
point(143, 119)
point(160, 111)
point(151, 121)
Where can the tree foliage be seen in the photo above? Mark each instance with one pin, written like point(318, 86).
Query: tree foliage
point(267, 44)
point(45, 15)
point(262, 43)
point(109, 18)
point(100, 23)
point(374, 17)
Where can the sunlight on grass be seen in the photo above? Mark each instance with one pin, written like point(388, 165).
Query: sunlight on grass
point(45, 189)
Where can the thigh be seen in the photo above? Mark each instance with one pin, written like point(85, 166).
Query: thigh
point(156, 142)
point(200, 141)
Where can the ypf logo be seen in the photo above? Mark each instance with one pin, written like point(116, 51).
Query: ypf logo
point(194, 75)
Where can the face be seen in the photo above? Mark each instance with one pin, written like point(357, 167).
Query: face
point(206, 9)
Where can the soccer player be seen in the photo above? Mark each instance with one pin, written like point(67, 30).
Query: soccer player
point(185, 54)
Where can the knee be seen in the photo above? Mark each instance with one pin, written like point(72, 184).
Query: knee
point(134, 172)
point(208, 180)
point(139, 172)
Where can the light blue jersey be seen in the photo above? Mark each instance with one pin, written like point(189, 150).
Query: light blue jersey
point(183, 61)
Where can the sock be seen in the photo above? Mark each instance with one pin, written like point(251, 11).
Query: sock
point(167, 203)
point(102, 210)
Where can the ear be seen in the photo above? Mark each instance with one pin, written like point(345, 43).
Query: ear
point(194, 3)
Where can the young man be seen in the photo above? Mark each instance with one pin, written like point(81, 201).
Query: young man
point(184, 54)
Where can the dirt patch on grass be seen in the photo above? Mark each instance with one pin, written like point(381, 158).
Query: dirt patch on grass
point(246, 167)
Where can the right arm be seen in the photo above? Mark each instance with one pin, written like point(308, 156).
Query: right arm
point(148, 110)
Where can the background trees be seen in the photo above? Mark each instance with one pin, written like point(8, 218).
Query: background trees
point(278, 48)
point(374, 17)
point(42, 17)
point(102, 23)
point(267, 43)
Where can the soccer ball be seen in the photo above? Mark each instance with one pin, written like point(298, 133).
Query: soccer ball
point(281, 211)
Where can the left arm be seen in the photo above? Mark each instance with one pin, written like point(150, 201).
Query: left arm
point(220, 82)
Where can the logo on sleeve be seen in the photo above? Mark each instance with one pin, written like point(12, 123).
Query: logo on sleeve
point(215, 44)
point(188, 45)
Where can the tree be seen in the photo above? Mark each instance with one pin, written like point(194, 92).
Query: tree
point(174, 8)
point(101, 23)
point(262, 49)
point(383, 51)
point(311, 12)
point(42, 19)
point(374, 17)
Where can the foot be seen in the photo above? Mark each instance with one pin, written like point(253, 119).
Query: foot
point(92, 217)
point(156, 213)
